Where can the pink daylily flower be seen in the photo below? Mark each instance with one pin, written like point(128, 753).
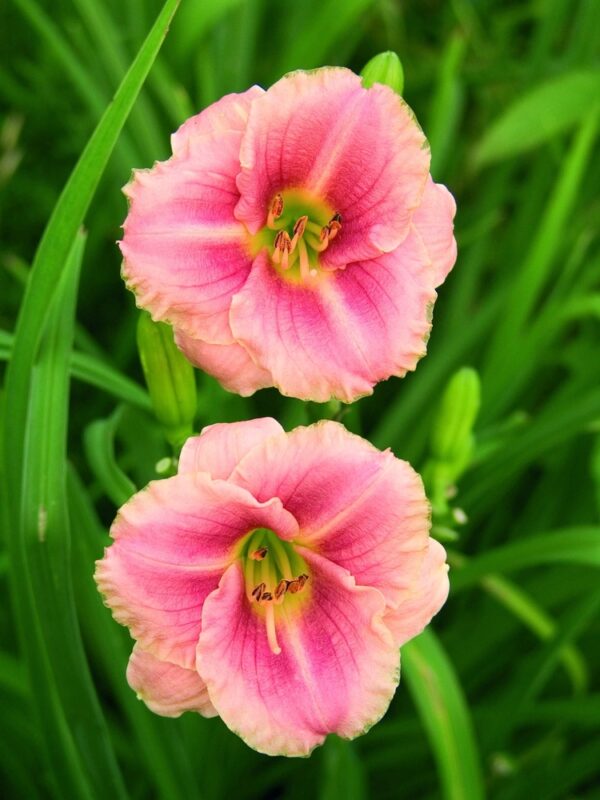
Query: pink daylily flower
point(273, 580)
point(295, 238)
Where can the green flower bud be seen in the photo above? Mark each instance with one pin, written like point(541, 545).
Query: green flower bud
point(384, 68)
point(451, 435)
point(169, 377)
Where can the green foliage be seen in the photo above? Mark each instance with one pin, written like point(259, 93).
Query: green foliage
point(500, 698)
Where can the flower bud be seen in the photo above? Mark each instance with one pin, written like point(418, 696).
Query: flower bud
point(169, 377)
point(451, 435)
point(384, 68)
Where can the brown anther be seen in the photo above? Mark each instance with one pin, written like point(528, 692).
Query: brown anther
point(300, 226)
point(297, 584)
point(276, 210)
point(266, 596)
point(336, 218)
point(334, 228)
point(281, 589)
point(302, 579)
point(277, 206)
point(259, 554)
point(257, 592)
point(283, 242)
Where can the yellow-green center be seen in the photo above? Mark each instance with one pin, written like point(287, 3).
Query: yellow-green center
point(300, 226)
point(274, 574)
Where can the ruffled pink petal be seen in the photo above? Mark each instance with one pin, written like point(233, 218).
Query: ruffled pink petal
point(172, 542)
point(229, 363)
point(336, 673)
point(387, 303)
point(344, 333)
point(184, 252)
point(359, 507)
point(165, 688)
point(300, 336)
point(434, 220)
point(220, 448)
point(359, 149)
point(230, 113)
point(424, 599)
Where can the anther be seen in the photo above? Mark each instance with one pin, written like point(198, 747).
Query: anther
point(266, 596)
point(302, 578)
point(300, 226)
point(257, 592)
point(276, 210)
point(259, 554)
point(283, 245)
point(281, 588)
point(334, 228)
point(297, 584)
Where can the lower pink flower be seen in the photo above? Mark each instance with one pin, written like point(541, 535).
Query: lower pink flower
point(273, 580)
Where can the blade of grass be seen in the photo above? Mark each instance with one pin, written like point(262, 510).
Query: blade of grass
point(59, 235)
point(74, 731)
point(94, 372)
point(518, 603)
point(100, 451)
point(539, 115)
point(143, 122)
point(533, 274)
point(342, 772)
point(580, 545)
point(33, 470)
point(444, 713)
point(89, 92)
point(534, 675)
point(326, 25)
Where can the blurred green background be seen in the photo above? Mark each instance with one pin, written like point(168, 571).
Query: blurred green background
point(501, 697)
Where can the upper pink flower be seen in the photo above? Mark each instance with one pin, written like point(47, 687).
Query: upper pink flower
point(295, 238)
point(272, 581)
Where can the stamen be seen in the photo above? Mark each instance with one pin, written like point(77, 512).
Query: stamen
point(283, 245)
point(323, 242)
point(298, 584)
point(304, 262)
point(302, 578)
point(334, 228)
point(276, 210)
point(259, 554)
point(299, 228)
point(257, 592)
point(271, 632)
point(281, 590)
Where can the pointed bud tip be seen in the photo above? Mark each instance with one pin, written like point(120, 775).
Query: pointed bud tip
point(384, 68)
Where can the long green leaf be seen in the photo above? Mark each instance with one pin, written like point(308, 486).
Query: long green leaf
point(67, 217)
point(94, 372)
point(579, 545)
point(33, 469)
point(100, 451)
point(539, 115)
point(74, 732)
point(444, 713)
